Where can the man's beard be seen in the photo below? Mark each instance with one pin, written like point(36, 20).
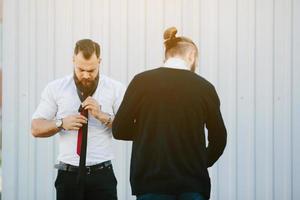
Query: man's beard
point(86, 89)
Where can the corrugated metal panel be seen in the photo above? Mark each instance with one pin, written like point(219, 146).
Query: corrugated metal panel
point(249, 49)
point(295, 42)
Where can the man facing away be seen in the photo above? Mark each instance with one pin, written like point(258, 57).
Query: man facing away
point(80, 107)
point(165, 112)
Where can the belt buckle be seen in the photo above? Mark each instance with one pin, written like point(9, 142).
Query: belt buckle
point(88, 170)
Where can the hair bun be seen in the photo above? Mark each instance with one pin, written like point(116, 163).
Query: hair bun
point(170, 33)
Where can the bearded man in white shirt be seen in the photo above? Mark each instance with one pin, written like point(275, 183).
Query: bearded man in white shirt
point(80, 107)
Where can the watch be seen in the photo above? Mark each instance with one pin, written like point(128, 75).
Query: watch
point(108, 121)
point(59, 123)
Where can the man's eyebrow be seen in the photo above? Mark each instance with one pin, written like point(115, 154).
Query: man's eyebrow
point(86, 70)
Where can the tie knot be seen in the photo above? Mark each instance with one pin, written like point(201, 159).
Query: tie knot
point(84, 112)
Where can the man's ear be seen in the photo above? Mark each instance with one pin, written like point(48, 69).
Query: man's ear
point(191, 57)
point(73, 58)
point(99, 60)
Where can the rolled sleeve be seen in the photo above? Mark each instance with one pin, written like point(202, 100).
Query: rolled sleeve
point(47, 107)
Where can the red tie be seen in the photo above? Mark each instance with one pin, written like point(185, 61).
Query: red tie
point(79, 137)
point(79, 141)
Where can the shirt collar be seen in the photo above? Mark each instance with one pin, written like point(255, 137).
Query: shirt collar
point(176, 63)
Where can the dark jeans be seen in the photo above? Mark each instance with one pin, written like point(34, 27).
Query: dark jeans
point(183, 196)
point(101, 185)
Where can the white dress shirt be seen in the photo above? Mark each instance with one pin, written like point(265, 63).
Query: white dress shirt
point(60, 99)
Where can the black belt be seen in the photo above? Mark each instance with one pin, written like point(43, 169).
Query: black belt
point(89, 169)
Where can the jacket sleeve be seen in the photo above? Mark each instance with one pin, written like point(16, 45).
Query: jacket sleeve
point(123, 127)
point(217, 134)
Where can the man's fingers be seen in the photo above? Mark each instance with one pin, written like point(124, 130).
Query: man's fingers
point(77, 125)
point(81, 117)
point(90, 107)
point(89, 101)
point(81, 121)
point(86, 101)
point(90, 104)
point(78, 116)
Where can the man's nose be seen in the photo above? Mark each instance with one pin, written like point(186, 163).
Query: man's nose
point(86, 75)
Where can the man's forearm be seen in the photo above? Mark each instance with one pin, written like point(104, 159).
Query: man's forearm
point(106, 119)
point(217, 142)
point(123, 128)
point(43, 128)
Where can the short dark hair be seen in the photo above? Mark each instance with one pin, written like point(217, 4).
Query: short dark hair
point(87, 47)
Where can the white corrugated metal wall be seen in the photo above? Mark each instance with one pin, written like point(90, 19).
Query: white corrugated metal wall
point(250, 50)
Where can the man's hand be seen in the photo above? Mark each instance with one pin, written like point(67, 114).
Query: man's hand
point(92, 106)
point(95, 109)
point(74, 122)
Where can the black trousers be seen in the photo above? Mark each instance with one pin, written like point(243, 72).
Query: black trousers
point(100, 185)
